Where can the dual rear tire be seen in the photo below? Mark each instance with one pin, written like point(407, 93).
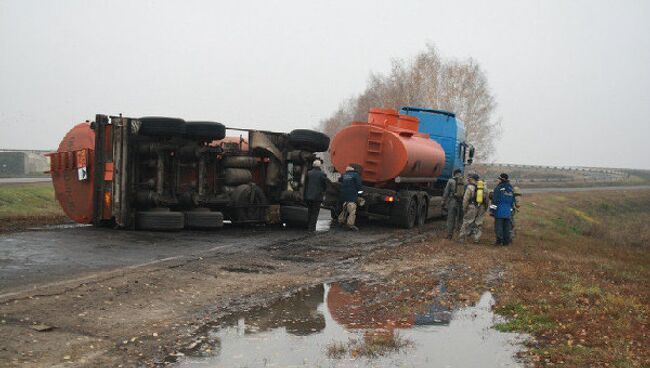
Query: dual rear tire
point(410, 211)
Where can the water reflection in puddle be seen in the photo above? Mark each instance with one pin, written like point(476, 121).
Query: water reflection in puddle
point(308, 329)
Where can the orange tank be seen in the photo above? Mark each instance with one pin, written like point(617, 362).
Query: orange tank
point(71, 167)
point(387, 146)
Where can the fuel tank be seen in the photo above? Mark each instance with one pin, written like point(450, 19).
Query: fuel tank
point(72, 173)
point(387, 146)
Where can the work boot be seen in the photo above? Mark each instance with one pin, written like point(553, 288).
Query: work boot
point(450, 236)
point(353, 228)
point(497, 243)
point(461, 240)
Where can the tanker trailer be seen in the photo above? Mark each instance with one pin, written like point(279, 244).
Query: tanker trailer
point(158, 173)
point(405, 159)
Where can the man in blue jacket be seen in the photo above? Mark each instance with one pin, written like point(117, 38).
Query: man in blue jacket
point(504, 199)
point(350, 187)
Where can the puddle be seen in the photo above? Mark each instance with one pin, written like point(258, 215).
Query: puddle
point(333, 325)
point(59, 227)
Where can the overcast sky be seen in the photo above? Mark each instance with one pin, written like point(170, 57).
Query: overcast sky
point(571, 77)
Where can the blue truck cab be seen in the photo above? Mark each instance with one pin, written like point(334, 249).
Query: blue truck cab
point(449, 131)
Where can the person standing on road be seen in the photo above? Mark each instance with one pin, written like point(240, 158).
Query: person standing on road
point(473, 209)
point(517, 193)
point(503, 199)
point(452, 201)
point(314, 189)
point(350, 187)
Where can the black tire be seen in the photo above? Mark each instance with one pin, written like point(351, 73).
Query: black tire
point(159, 220)
point(309, 140)
point(404, 214)
point(234, 177)
point(203, 219)
point(156, 126)
point(422, 212)
point(249, 204)
point(294, 215)
point(239, 162)
point(205, 130)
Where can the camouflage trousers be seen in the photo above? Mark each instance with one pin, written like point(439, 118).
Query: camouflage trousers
point(348, 214)
point(512, 225)
point(472, 223)
point(454, 216)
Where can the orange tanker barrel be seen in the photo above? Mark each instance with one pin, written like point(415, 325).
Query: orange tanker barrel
point(383, 117)
point(71, 167)
point(388, 151)
point(408, 122)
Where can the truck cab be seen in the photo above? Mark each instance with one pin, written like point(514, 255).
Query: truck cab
point(449, 131)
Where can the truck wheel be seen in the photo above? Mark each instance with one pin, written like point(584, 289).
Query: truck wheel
point(206, 130)
point(159, 220)
point(234, 177)
point(239, 162)
point(309, 140)
point(250, 203)
point(422, 212)
point(405, 213)
point(157, 126)
point(294, 215)
point(203, 219)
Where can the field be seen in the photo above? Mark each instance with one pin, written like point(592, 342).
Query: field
point(580, 278)
point(24, 205)
point(577, 278)
point(529, 176)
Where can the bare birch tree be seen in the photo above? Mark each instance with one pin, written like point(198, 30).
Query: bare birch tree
point(429, 81)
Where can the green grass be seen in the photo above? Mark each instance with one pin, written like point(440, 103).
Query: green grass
point(28, 200)
point(521, 319)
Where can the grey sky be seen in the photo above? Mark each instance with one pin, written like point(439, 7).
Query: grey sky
point(571, 77)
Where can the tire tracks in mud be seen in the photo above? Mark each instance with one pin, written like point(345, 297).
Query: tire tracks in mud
point(279, 266)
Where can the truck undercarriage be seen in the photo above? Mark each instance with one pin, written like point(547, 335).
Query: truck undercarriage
point(162, 173)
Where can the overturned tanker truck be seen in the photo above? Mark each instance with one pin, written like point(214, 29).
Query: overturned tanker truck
point(159, 173)
point(405, 159)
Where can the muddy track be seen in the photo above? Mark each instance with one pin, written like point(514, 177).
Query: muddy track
point(137, 298)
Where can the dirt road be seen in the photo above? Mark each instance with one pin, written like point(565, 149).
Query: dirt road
point(132, 298)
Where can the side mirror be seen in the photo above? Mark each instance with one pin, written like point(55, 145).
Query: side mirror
point(471, 155)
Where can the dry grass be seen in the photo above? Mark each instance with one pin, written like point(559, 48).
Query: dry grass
point(577, 277)
point(372, 345)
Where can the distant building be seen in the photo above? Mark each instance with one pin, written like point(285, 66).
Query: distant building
point(23, 163)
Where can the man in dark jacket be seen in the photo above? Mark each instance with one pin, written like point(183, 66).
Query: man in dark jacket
point(504, 200)
point(350, 187)
point(314, 190)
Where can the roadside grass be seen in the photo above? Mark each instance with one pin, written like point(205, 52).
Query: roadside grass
point(27, 205)
point(577, 277)
point(521, 319)
point(593, 306)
